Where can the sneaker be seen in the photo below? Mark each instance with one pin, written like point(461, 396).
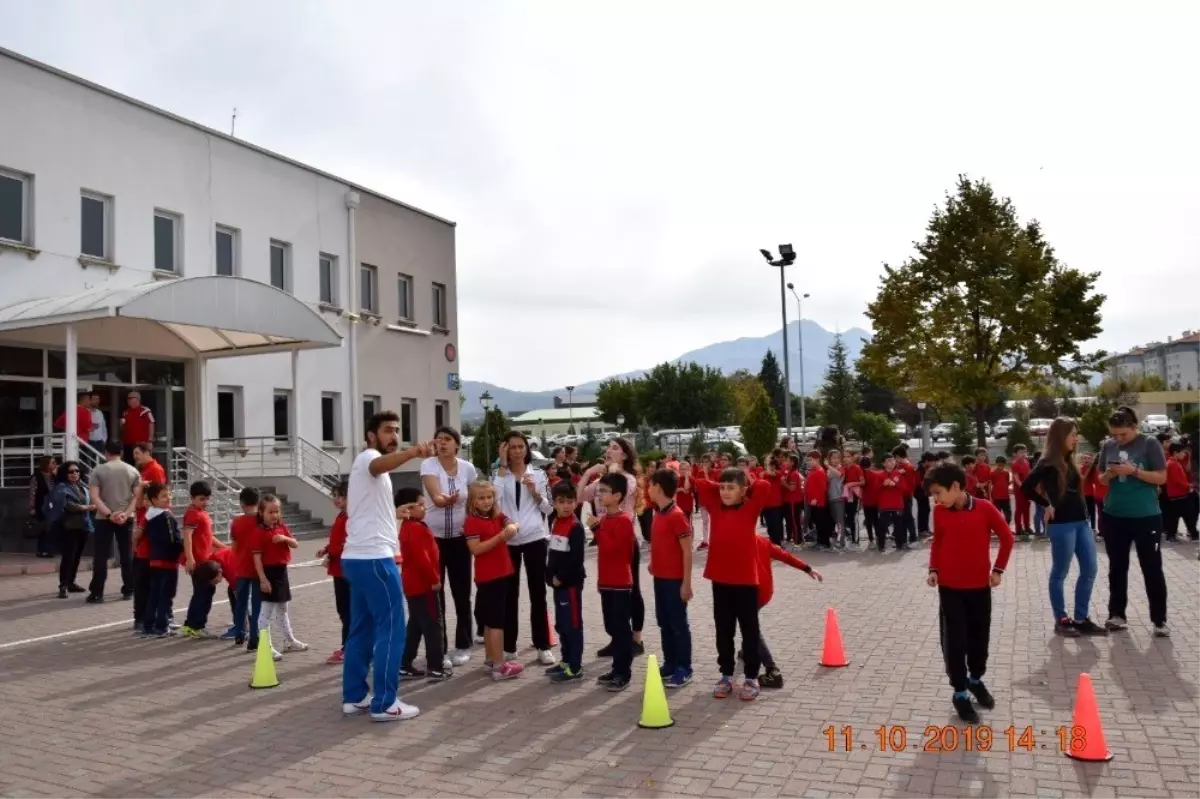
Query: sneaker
point(750, 690)
point(555, 669)
point(204, 635)
point(397, 712)
point(439, 676)
point(94, 599)
point(982, 695)
point(336, 657)
point(605, 678)
point(771, 679)
point(507, 671)
point(411, 673)
point(459, 657)
point(76, 588)
point(566, 675)
point(62, 592)
point(604, 651)
point(1161, 631)
point(276, 655)
point(239, 641)
point(510, 655)
point(232, 634)
point(617, 684)
point(357, 708)
point(479, 639)
point(966, 711)
point(639, 648)
point(547, 657)
point(252, 646)
point(167, 633)
point(679, 679)
point(723, 688)
point(295, 646)
point(173, 626)
point(447, 663)
point(1115, 623)
point(188, 632)
point(1066, 628)
point(1088, 627)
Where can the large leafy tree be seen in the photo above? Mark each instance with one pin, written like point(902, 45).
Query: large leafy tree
point(873, 397)
point(685, 395)
point(771, 378)
point(743, 390)
point(486, 445)
point(760, 429)
point(840, 391)
point(985, 305)
point(617, 397)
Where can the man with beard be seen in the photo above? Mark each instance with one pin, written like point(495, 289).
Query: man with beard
point(369, 565)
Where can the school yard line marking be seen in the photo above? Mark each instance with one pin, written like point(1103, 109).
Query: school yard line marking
point(126, 622)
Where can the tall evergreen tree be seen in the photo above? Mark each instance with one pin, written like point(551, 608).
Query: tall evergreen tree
point(840, 392)
point(772, 380)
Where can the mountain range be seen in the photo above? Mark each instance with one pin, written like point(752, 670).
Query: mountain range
point(728, 356)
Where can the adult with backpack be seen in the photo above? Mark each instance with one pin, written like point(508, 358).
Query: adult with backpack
point(69, 510)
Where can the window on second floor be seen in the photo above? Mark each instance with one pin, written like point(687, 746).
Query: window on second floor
point(15, 190)
point(369, 301)
point(95, 225)
point(225, 247)
point(405, 294)
point(371, 406)
point(168, 232)
point(441, 414)
point(408, 420)
point(281, 265)
point(439, 306)
point(327, 277)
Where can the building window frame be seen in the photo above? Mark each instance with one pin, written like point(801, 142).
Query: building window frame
point(289, 415)
point(237, 423)
point(440, 301)
point(106, 225)
point(176, 220)
point(371, 405)
point(25, 223)
point(368, 288)
point(327, 269)
point(404, 297)
point(235, 250)
point(441, 408)
point(331, 401)
point(285, 250)
point(408, 420)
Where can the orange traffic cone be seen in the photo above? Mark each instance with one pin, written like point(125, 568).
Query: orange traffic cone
point(833, 654)
point(1087, 733)
point(550, 631)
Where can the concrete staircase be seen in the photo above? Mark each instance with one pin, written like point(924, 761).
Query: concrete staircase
point(301, 522)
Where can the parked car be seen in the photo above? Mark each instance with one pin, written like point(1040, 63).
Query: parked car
point(1156, 423)
point(943, 432)
point(1002, 427)
point(900, 429)
point(1039, 427)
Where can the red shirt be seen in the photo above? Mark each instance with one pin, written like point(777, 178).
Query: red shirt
point(1178, 485)
point(228, 562)
point(714, 473)
point(142, 548)
point(972, 483)
point(684, 498)
point(1092, 487)
point(891, 497)
point(615, 543)
point(961, 552)
point(495, 563)
point(766, 578)
point(243, 532)
point(853, 473)
point(153, 472)
point(422, 569)
point(775, 481)
point(202, 533)
point(83, 422)
point(274, 554)
point(983, 478)
point(136, 424)
point(1020, 470)
point(872, 485)
point(908, 485)
point(670, 526)
point(337, 543)
point(1001, 483)
point(732, 553)
point(795, 493)
point(816, 487)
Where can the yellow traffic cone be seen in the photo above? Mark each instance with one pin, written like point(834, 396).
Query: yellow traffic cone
point(264, 663)
point(655, 713)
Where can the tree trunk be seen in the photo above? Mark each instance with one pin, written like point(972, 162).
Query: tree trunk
point(981, 425)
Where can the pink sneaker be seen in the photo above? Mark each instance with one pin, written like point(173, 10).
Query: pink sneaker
point(336, 658)
point(507, 671)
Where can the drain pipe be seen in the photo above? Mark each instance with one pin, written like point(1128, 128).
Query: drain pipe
point(356, 420)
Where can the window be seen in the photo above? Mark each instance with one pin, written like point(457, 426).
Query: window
point(283, 414)
point(408, 420)
point(14, 207)
point(95, 225)
point(281, 265)
point(327, 272)
point(166, 241)
point(229, 412)
point(226, 251)
point(371, 405)
point(331, 418)
point(439, 306)
point(369, 299)
point(405, 283)
point(441, 414)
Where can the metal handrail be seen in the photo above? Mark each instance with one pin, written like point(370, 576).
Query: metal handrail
point(271, 456)
point(188, 467)
point(19, 456)
point(318, 467)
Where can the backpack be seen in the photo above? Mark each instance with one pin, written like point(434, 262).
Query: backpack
point(53, 507)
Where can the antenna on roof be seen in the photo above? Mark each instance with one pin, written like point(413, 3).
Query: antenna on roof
point(233, 123)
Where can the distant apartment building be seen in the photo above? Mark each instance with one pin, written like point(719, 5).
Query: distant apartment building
point(1176, 361)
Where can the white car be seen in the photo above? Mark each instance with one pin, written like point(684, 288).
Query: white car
point(900, 429)
point(1002, 427)
point(1039, 427)
point(943, 432)
point(1156, 423)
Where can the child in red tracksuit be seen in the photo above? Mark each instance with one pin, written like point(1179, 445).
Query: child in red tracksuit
point(961, 568)
point(1180, 504)
point(816, 489)
point(421, 579)
point(732, 567)
point(332, 552)
point(768, 552)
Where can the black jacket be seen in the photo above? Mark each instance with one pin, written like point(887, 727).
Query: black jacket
point(164, 537)
point(565, 559)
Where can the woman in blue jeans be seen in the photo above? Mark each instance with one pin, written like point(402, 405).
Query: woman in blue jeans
point(1056, 486)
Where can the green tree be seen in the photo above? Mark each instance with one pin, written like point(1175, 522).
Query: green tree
point(814, 409)
point(685, 395)
point(840, 391)
point(1189, 425)
point(963, 438)
point(1043, 406)
point(760, 431)
point(485, 448)
point(772, 380)
point(1018, 434)
point(875, 430)
point(985, 305)
point(1093, 423)
point(616, 397)
point(697, 446)
point(873, 397)
point(743, 388)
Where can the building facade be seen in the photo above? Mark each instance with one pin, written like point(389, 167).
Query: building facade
point(252, 300)
point(1176, 361)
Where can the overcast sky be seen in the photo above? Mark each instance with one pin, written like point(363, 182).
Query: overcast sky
point(614, 168)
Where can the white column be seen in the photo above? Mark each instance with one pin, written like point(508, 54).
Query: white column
point(295, 409)
point(356, 422)
point(201, 390)
point(71, 445)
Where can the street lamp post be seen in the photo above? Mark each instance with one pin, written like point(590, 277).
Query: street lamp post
point(924, 428)
point(485, 400)
point(542, 433)
point(570, 410)
point(787, 257)
point(800, 341)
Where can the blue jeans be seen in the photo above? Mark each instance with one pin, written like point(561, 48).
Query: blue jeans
point(249, 594)
point(1067, 540)
point(568, 620)
point(376, 631)
point(156, 616)
point(671, 611)
point(1039, 520)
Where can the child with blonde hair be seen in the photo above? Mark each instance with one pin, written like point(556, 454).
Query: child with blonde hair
point(488, 532)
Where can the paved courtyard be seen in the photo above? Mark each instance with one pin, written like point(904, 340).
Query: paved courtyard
point(89, 711)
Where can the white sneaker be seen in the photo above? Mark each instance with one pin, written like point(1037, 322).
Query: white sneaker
point(510, 656)
point(446, 662)
point(357, 708)
point(276, 655)
point(295, 646)
point(460, 657)
point(547, 657)
point(397, 712)
point(479, 639)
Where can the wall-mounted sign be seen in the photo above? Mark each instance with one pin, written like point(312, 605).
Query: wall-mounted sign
point(452, 381)
point(451, 353)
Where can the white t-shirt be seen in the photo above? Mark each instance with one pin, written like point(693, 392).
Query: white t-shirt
point(371, 532)
point(448, 522)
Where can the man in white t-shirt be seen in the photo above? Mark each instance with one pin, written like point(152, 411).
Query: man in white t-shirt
point(369, 565)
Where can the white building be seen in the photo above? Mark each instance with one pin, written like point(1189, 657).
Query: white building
point(1176, 361)
point(139, 249)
